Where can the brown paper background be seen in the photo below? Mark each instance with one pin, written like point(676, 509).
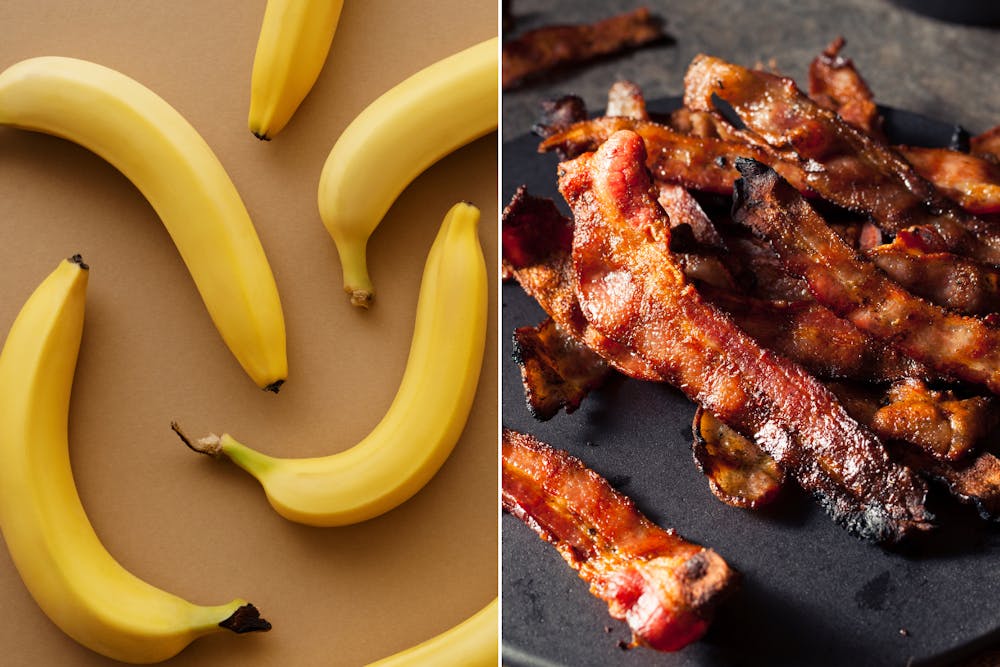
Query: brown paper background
point(200, 528)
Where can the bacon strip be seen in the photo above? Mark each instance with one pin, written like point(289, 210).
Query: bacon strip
point(971, 181)
point(954, 345)
point(987, 144)
point(557, 371)
point(841, 163)
point(699, 163)
point(957, 283)
point(630, 289)
point(835, 84)
point(546, 48)
point(662, 585)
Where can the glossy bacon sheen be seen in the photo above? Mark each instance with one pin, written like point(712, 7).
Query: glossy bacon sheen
point(954, 282)
point(699, 163)
point(973, 182)
point(630, 289)
point(535, 239)
point(954, 345)
point(840, 162)
point(663, 586)
point(543, 49)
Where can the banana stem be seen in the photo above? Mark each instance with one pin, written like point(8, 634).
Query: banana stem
point(246, 619)
point(210, 445)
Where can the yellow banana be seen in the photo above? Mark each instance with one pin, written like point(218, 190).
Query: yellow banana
point(294, 40)
point(153, 146)
point(426, 417)
point(396, 138)
point(472, 643)
point(72, 577)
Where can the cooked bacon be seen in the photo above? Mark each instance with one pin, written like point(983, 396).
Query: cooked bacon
point(739, 472)
point(683, 209)
point(971, 181)
point(536, 239)
point(558, 114)
point(960, 284)
point(663, 586)
point(698, 163)
point(987, 144)
point(557, 371)
point(835, 84)
point(544, 49)
point(840, 162)
point(632, 291)
point(963, 347)
point(626, 99)
point(813, 337)
point(976, 482)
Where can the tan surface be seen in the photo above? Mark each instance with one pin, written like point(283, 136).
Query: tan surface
point(201, 528)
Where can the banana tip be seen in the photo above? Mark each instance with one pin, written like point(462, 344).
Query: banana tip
point(275, 386)
point(361, 298)
point(261, 135)
point(246, 619)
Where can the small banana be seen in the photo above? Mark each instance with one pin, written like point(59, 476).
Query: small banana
point(294, 40)
point(472, 643)
point(426, 417)
point(157, 149)
point(396, 138)
point(65, 567)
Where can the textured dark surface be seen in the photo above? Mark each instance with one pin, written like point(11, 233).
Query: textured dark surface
point(812, 594)
point(911, 61)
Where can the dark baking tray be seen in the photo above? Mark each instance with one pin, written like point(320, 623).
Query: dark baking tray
point(812, 595)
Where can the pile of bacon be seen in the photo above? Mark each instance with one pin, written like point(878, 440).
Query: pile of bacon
point(834, 317)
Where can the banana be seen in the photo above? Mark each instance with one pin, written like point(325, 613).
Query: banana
point(426, 417)
point(75, 581)
point(471, 643)
point(294, 40)
point(153, 146)
point(396, 138)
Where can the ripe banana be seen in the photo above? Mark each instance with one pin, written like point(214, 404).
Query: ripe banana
point(72, 577)
point(426, 417)
point(150, 143)
point(471, 643)
point(396, 138)
point(294, 40)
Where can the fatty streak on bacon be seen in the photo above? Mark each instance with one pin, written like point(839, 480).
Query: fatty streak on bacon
point(663, 586)
point(962, 347)
point(841, 163)
point(630, 289)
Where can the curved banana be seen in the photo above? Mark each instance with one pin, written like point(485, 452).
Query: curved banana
point(153, 146)
point(72, 577)
point(295, 38)
point(472, 643)
point(426, 417)
point(396, 138)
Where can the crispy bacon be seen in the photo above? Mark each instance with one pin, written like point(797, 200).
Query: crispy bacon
point(557, 371)
point(626, 99)
point(695, 162)
point(812, 336)
point(963, 347)
point(558, 114)
point(987, 144)
point(739, 472)
point(631, 290)
point(957, 283)
point(975, 482)
point(546, 48)
point(973, 182)
point(835, 84)
point(663, 586)
point(536, 251)
point(840, 162)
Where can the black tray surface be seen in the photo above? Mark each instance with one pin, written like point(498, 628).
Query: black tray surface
point(812, 594)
